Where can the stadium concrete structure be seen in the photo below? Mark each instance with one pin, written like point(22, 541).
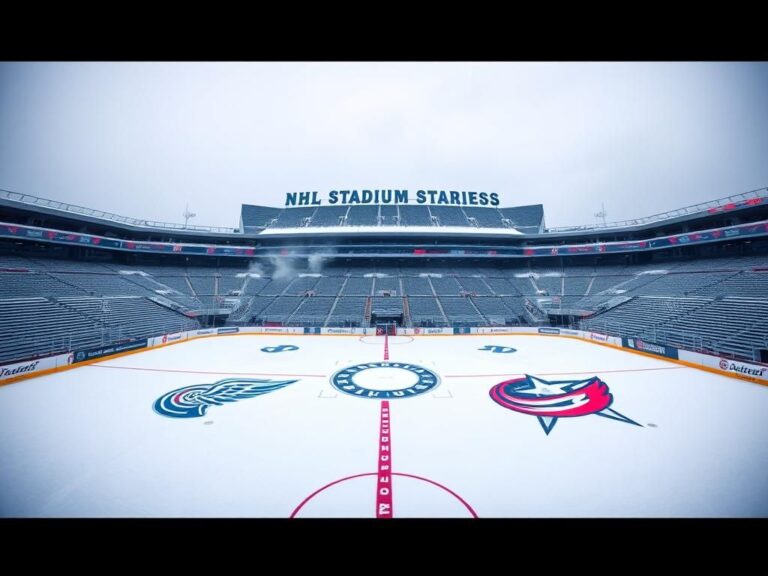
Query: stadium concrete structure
point(384, 353)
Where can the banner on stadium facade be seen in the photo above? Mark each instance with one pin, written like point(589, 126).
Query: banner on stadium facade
point(418, 331)
point(228, 330)
point(23, 368)
point(570, 332)
point(549, 330)
point(262, 330)
point(376, 197)
point(493, 330)
point(166, 339)
point(642, 345)
point(69, 238)
point(742, 368)
point(336, 331)
point(747, 370)
point(83, 355)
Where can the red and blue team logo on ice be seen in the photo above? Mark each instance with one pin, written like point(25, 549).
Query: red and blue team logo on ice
point(194, 401)
point(549, 401)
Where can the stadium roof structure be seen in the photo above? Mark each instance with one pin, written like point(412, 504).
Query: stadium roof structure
point(256, 220)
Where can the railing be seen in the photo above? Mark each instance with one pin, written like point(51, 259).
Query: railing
point(74, 209)
point(105, 336)
point(676, 339)
point(759, 193)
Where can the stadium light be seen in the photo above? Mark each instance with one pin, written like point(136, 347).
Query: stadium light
point(187, 215)
point(602, 213)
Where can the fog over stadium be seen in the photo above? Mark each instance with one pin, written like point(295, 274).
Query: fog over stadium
point(143, 139)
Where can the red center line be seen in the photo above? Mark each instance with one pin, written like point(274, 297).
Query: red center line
point(204, 372)
point(564, 373)
point(384, 467)
point(386, 345)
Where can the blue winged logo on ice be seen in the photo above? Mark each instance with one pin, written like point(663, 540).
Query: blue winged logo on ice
point(194, 401)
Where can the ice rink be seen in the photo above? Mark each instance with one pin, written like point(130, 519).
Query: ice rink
point(286, 426)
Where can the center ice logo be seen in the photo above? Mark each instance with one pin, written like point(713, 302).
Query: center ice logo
point(549, 401)
point(193, 401)
point(385, 380)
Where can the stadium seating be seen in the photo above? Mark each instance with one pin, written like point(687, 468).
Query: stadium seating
point(389, 215)
point(312, 311)
point(417, 286)
point(446, 286)
point(386, 305)
point(358, 287)
point(525, 218)
point(280, 309)
point(250, 309)
point(461, 311)
point(347, 311)
point(426, 311)
point(329, 216)
point(727, 325)
point(484, 217)
point(474, 286)
point(293, 217)
point(449, 215)
point(229, 283)
point(528, 219)
point(20, 284)
point(718, 305)
point(329, 286)
point(33, 327)
point(363, 216)
point(495, 311)
point(389, 284)
point(415, 216)
point(255, 218)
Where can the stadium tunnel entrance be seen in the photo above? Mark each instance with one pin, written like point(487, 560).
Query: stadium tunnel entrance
point(386, 319)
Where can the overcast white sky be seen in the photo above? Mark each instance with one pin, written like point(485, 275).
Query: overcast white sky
point(142, 139)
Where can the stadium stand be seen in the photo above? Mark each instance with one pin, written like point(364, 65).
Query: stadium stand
point(529, 219)
point(415, 216)
point(363, 216)
point(484, 217)
point(256, 218)
point(293, 218)
point(329, 216)
point(449, 215)
point(389, 215)
point(712, 298)
point(692, 304)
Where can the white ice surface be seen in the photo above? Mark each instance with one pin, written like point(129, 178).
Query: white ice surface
point(86, 442)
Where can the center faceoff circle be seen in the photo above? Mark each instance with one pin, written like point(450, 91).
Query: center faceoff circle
point(385, 380)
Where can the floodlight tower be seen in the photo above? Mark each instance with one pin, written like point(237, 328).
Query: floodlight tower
point(187, 215)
